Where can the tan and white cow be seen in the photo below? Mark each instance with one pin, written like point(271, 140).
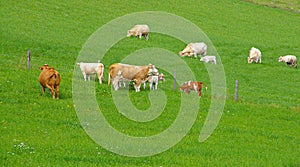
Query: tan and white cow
point(50, 78)
point(194, 49)
point(137, 74)
point(289, 60)
point(88, 69)
point(139, 31)
point(193, 85)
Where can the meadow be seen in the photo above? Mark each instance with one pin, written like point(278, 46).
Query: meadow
point(262, 128)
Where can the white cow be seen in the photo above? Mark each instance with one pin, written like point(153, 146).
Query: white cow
point(254, 55)
point(139, 31)
point(153, 82)
point(194, 49)
point(207, 59)
point(289, 60)
point(88, 69)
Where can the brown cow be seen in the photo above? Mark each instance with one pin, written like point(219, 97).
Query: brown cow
point(137, 74)
point(192, 85)
point(50, 78)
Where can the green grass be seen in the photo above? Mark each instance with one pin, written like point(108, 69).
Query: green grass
point(261, 129)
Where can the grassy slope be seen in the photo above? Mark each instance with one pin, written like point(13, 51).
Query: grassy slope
point(262, 128)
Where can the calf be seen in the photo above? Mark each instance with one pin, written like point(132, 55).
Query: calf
point(137, 74)
point(254, 55)
point(139, 31)
point(50, 78)
point(192, 85)
point(91, 68)
point(194, 49)
point(289, 60)
point(207, 59)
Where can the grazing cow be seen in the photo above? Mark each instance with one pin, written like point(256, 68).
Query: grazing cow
point(50, 78)
point(194, 49)
point(289, 60)
point(207, 59)
point(192, 85)
point(137, 74)
point(91, 68)
point(139, 31)
point(254, 55)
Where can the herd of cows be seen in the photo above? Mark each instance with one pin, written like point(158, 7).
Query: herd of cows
point(121, 74)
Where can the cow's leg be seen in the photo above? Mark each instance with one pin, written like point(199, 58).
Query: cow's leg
point(140, 35)
point(43, 89)
point(84, 76)
point(146, 36)
point(52, 90)
point(57, 91)
point(144, 85)
point(137, 85)
point(156, 83)
point(89, 77)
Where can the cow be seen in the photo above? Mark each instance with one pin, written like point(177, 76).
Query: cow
point(254, 55)
point(139, 31)
point(289, 60)
point(137, 74)
point(50, 78)
point(193, 85)
point(194, 49)
point(207, 59)
point(88, 69)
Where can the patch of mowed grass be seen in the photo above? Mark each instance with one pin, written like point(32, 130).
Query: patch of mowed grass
point(261, 128)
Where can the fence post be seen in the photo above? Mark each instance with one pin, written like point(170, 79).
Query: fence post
point(174, 86)
point(236, 95)
point(28, 59)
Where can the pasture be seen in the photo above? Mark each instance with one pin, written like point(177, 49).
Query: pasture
point(262, 128)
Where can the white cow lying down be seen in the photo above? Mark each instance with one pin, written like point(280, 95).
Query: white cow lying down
point(254, 55)
point(289, 60)
point(194, 49)
point(91, 68)
point(207, 59)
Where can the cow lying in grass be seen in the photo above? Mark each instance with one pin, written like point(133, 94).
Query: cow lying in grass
point(50, 78)
point(88, 69)
point(289, 60)
point(193, 85)
point(139, 31)
point(208, 59)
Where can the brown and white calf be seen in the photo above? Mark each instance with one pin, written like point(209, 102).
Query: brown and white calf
point(137, 74)
point(139, 31)
point(192, 85)
point(194, 49)
point(88, 69)
point(254, 55)
point(50, 78)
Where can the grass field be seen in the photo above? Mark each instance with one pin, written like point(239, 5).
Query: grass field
point(262, 128)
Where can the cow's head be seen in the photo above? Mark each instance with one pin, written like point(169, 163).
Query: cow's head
point(280, 59)
point(250, 60)
point(129, 33)
point(45, 66)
